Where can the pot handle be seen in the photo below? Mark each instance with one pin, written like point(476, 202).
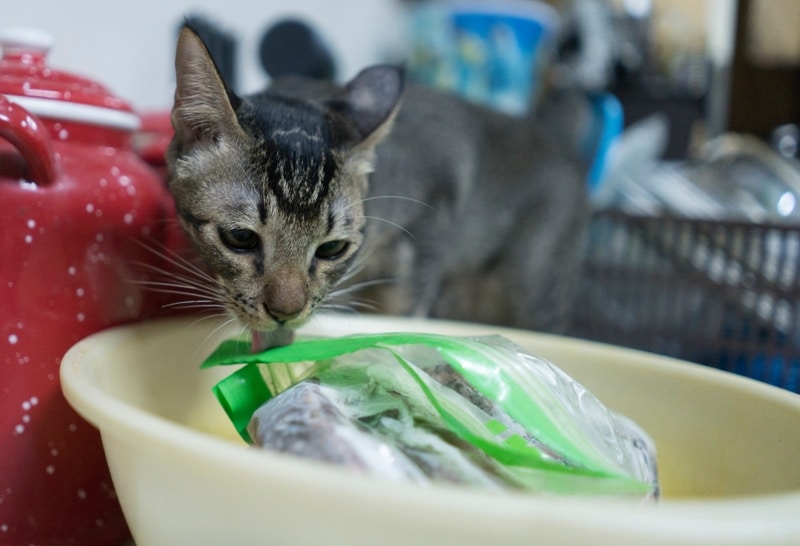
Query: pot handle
point(28, 135)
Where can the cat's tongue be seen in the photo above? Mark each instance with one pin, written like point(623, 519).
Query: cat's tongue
point(276, 338)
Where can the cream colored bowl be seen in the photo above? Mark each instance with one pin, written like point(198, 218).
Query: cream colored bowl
point(729, 454)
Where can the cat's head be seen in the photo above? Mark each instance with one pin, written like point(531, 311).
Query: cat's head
point(269, 188)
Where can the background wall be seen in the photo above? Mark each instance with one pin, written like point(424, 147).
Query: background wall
point(129, 45)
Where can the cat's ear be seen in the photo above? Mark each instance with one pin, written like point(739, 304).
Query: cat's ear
point(369, 103)
point(204, 107)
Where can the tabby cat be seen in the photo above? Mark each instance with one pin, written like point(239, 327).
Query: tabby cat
point(297, 196)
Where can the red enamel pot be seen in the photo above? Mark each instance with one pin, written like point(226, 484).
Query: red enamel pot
point(78, 208)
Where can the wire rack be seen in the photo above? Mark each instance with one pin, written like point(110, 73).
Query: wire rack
point(721, 293)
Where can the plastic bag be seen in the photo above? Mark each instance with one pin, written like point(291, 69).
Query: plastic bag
point(428, 407)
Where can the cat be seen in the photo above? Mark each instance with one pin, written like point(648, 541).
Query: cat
point(303, 194)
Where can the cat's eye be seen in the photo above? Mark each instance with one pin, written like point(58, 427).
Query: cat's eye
point(239, 239)
point(331, 250)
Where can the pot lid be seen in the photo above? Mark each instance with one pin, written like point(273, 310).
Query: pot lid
point(26, 79)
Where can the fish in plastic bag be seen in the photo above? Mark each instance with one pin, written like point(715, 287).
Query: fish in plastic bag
point(423, 407)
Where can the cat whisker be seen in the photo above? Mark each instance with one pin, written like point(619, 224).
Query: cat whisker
point(199, 293)
point(170, 280)
point(183, 280)
point(367, 305)
point(195, 297)
point(394, 224)
point(401, 198)
point(351, 306)
point(177, 260)
point(194, 304)
point(337, 307)
point(209, 316)
point(216, 329)
point(245, 174)
point(186, 280)
point(358, 265)
point(359, 286)
point(179, 288)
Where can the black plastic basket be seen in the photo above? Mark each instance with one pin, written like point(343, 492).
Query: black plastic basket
point(721, 293)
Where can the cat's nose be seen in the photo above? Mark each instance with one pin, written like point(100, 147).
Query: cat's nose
point(286, 298)
point(284, 309)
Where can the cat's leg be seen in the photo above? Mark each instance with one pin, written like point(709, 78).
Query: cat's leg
point(540, 271)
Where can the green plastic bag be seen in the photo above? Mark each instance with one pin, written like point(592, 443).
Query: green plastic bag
point(441, 408)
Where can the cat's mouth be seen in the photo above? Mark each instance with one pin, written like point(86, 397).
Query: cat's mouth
point(274, 338)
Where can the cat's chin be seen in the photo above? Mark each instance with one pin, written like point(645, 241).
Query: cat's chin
point(274, 338)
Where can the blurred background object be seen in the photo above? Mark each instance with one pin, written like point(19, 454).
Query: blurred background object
point(694, 246)
point(724, 293)
point(493, 53)
point(132, 47)
point(654, 55)
point(292, 46)
point(685, 111)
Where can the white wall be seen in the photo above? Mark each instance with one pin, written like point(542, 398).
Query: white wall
point(128, 45)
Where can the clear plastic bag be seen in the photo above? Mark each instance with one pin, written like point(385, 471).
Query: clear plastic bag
point(424, 407)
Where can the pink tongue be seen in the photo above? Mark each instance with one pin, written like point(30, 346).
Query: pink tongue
point(266, 340)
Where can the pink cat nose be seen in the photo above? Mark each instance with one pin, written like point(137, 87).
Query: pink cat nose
point(285, 298)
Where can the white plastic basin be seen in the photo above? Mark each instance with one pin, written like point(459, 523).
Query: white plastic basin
point(729, 454)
